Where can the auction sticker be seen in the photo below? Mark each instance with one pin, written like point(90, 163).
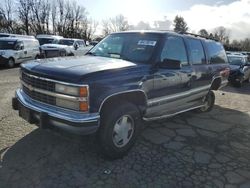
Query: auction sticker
point(147, 42)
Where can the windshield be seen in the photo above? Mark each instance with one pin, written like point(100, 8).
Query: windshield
point(135, 47)
point(45, 40)
point(64, 42)
point(7, 45)
point(234, 60)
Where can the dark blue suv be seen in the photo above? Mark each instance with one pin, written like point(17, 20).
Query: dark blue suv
point(126, 78)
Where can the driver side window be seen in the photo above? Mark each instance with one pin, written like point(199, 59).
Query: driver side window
point(174, 49)
point(19, 46)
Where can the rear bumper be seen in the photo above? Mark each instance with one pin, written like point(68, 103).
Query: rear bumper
point(49, 117)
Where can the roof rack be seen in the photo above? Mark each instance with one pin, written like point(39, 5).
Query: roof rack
point(197, 35)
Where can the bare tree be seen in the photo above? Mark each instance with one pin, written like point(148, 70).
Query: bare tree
point(222, 34)
point(7, 22)
point(40, 16)
point(118, 23)
point(91, 29)
point(24, 10)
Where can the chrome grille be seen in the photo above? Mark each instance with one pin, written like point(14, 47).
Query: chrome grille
point(39, 96)
point(43, 84)
point(38, 83)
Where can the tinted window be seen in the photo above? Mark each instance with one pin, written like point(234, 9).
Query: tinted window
point(65, 42)
point(216, 52)
point(7, 45)
point(45, 40)
point(174, 49)
point(196, 52)
point(81, 43)
point(18, 45)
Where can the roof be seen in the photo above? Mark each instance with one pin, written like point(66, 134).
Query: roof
point(48, 36)
point(16, 39)
point(190, 35)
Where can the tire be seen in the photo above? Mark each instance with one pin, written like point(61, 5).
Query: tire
point(119, 128)
point(208, 102)
point(238, 84)
point(10, 63)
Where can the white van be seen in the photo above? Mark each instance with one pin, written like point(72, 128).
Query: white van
point(15, 35)
point(17, 50)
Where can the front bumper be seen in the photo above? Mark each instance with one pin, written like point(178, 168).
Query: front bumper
point(47, 116)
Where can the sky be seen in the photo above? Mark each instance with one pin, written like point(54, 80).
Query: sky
point(199, 14)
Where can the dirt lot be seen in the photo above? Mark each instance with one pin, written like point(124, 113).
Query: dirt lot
point(189, 150)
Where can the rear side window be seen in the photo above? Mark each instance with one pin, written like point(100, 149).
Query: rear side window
point(81, 43)
point(174, 49)
point(196, 52)
point(216, 52)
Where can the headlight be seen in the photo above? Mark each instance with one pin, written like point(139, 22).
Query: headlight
point(81, 97)
point(68, 90)
point(2, 52)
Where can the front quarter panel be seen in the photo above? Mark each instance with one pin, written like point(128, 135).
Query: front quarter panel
point(119, 82)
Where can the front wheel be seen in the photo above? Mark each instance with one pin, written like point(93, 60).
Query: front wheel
point(10, 63)
point(120, 125)
point(208, 102)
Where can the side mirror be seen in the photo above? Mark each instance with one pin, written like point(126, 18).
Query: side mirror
point(170, 64)
point(76, 46)
point(87, 43)
point(21, 47)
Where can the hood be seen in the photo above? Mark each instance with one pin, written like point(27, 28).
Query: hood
point(74, 68)
point(54, 46)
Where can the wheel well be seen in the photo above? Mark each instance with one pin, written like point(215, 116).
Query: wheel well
point(216, 84)
point(12, 59)
point(138, 98)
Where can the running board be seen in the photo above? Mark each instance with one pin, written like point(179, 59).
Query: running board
point(170, 115)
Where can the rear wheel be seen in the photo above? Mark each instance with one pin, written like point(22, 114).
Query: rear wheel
point(120, 125)
point(208, 102)
point(10, 63)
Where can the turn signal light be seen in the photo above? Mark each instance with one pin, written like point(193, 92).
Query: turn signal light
point(84, 106)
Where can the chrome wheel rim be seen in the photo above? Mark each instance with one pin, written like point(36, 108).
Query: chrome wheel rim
point(205, 107)
point(11, 62)
point(123, 131)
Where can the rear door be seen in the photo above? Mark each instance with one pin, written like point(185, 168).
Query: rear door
point(201, 78)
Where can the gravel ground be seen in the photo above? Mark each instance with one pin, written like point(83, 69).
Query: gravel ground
point(188, 150)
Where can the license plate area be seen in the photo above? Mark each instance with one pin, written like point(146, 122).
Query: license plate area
point(25, 113)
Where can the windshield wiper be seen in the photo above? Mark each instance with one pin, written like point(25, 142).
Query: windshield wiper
point(90, 53)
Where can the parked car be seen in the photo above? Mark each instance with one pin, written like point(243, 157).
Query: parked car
point(93, 43)
point(240, 69)
point(47, 39)
point(65, 47)
point(126, 78)
point(15, 35)
point(17, 50)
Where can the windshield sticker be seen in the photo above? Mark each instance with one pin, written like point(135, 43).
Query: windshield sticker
point(147, 42)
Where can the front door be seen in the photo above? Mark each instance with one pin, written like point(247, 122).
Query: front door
point(171, 85)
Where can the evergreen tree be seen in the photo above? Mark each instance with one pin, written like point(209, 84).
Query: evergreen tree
point(180, 25)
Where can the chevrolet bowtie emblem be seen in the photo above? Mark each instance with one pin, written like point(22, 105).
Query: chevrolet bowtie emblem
point(30, 87)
